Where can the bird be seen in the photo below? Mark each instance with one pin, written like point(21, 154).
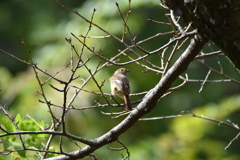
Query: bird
point(120, 86)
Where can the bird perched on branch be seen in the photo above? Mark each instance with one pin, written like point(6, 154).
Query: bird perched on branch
point(120, 86)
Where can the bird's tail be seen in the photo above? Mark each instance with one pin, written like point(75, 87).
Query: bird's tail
point(127, 103)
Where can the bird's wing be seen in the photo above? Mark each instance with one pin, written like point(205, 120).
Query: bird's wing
point(118, 83)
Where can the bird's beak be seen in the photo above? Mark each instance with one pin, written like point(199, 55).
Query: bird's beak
point(128, 70)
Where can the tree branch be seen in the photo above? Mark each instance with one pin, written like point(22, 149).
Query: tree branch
point(148, 103)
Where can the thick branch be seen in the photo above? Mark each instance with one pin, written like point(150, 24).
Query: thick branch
point(148, 103)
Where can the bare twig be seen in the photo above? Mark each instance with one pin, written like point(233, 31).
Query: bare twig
point(202, 84)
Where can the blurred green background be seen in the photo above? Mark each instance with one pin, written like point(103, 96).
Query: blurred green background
point(45, 25)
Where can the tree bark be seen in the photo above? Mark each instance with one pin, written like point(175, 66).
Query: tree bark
point(216, 20)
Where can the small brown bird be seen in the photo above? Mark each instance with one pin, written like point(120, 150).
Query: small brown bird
point(120, 86)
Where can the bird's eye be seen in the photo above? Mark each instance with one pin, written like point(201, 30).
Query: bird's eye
point(122, 70)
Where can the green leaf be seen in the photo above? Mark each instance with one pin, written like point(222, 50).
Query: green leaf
point(6, 144)
point(29, 125)
point(7, 124)
point(9, 127)
point(1, 157)
point(31, 141)
point(49, 155)
point(18, 118)
point(19, 146)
